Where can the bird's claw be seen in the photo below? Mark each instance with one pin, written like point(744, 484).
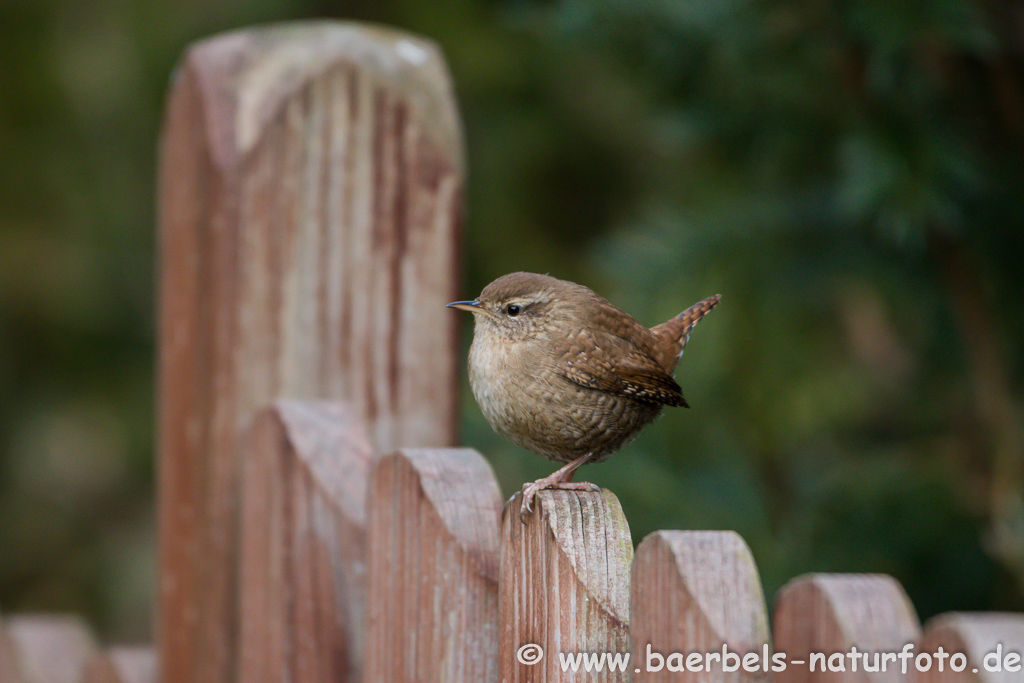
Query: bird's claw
point(529, 493)
point(531, 489)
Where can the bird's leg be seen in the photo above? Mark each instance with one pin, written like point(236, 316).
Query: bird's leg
point(559, 479)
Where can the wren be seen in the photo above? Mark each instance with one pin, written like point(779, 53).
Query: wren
point(562, 372)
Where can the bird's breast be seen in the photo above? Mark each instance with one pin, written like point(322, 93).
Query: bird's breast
point(514, 383)
point(500, 377)
point(525, 398)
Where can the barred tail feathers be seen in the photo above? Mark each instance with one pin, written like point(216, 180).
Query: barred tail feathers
point(678, 328)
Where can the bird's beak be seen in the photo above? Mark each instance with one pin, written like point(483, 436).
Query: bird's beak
point(471, 306)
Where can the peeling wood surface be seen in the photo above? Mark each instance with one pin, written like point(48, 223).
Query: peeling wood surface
point(564, 583)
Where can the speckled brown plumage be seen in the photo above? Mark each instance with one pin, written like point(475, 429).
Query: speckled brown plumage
point(564, 373)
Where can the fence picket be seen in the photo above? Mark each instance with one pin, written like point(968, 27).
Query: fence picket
point(978, 636)
point(303, 553)
point(564, 585)
point(696, 592)
point(829, 614)
point(122, 665)
point(44, 648)
point(432, 602)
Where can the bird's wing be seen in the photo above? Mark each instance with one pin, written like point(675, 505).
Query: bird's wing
point(608, 363)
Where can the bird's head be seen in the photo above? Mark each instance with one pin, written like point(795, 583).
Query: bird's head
point(520, 305)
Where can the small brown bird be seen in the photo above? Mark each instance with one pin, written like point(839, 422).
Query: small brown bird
point(562, 372)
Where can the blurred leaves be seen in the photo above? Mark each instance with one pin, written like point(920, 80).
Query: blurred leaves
point(838, 171)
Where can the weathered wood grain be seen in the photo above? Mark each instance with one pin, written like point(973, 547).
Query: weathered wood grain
point(432, 602)
point(697, 592)
point(832, 613)
point(122, 665)
point(309, 194)
point(38, 648)
point(988, 641)
point(564, 584)
point(302, 581)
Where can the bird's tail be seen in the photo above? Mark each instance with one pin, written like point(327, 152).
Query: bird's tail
point(678, 328)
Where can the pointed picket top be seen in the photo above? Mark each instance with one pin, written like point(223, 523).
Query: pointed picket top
point(597, 523)
point(564, 584)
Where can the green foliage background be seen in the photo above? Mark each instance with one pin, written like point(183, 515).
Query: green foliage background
point(850, 176)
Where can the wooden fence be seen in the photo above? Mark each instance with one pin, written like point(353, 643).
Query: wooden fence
point(310, 184)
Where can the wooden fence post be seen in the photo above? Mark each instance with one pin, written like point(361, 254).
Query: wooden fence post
point(564, 586)
point(122, 665)
point(309, 189)
point(432, 602)
point(829, 614)
point(303, 554)
point(8, 656)
point(44, 648)
point(986, 640)
point(697, 592)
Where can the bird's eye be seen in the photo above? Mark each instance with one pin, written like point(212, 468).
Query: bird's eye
point(512, 310)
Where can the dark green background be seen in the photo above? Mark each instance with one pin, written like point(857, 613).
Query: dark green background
point(849, 175)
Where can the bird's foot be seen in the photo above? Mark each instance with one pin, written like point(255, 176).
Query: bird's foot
point(552, 481)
